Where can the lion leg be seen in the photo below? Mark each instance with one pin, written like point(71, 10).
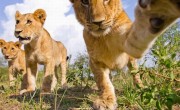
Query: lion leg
point(107, 99)
point(132, 65)
point(30, 77)
point(63, 74)
point(11, 77)
point(49, 80)
point(24, 82)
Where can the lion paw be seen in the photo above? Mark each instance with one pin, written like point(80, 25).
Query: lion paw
point(145, 3)
point(101, 104)
point(25, 91)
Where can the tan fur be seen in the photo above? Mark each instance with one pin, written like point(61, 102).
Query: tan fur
point(112, 40)
point(16, 60)
point(40, 48)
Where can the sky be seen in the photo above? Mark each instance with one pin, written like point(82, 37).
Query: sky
point(60, 22)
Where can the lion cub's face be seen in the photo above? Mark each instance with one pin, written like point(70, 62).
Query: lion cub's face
point(97, 16)
point(28, 26)
point(10, 49)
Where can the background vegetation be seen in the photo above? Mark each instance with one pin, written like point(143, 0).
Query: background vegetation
point(161, 91)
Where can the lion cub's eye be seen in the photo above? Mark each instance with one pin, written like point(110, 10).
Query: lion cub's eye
point(5, 48)
point(29, 22)
point(85, 2)
point(17, 21)
point(12, 49)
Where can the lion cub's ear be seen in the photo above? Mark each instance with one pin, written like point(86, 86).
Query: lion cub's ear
point(18, 44)
point(72, 1)
point(2, 42)
point(40, 15)
point(17, 14)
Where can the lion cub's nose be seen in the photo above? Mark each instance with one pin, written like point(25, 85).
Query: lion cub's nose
point(98, 21)
point(18, 32)
point(6, 56)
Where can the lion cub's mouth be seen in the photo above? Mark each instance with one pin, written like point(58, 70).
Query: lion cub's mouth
point(100, 32)
point(99, 29)
point(7, 58)
point(22, 38)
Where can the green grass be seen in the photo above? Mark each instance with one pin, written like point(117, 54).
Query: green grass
point(73, 97)
point(78, 97)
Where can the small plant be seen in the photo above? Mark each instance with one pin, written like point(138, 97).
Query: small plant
point(166, 71)
point(79, 72)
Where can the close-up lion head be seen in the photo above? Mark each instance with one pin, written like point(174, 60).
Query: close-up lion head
point(29, 26)
point(10, 49)
point(97, 16)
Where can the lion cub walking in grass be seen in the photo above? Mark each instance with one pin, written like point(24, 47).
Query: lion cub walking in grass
point(114, 41)
point(16, 61)
point(40, 48)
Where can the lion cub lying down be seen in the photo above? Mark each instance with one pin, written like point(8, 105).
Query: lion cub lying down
point(40, 48)
point(16, 60)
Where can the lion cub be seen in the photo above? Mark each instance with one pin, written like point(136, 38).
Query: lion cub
point(114, 41)
point(16, 60)
point(40, 48)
